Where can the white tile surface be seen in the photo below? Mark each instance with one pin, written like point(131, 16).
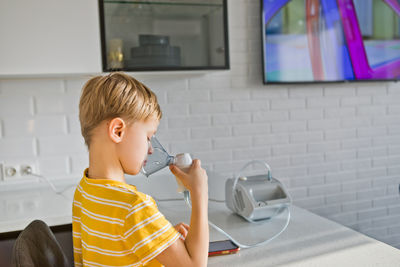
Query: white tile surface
point(254, 106)
point(61, 145)
point(189, 122)
point(206, 133)
point(16, 105)
point(17, 147)
point(231, 119)
point(54, 166)
point(251, 130)
point(43, 125)
point(351, 131)
point(59, 104)
point(32, 86)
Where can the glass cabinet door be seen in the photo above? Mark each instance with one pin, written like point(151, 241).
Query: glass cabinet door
point(145, 35)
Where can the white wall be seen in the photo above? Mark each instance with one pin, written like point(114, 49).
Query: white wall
point(336, 146)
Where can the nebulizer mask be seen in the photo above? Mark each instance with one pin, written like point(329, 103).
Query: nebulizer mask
point(257, 198)
point(159, 159)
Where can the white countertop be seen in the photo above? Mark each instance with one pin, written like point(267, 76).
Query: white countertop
point(19, 208)
point(309, 240)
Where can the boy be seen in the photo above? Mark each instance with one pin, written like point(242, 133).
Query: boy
point(113, 223)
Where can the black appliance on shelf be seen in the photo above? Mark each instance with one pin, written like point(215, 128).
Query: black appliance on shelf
point(154, 50)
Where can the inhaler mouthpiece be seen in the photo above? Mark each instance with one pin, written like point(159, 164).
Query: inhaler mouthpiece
point(160, 159)
point(157, 160)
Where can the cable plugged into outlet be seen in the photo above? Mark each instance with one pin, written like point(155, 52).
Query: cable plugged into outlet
point(17, 170)
point(26, 169)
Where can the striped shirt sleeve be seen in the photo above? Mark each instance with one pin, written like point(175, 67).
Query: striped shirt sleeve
point(146, 231)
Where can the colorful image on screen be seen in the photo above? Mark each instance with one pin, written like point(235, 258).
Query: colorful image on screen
point(330, 40)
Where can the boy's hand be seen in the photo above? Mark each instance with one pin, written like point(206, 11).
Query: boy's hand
point(195, 180)
point(183, 229)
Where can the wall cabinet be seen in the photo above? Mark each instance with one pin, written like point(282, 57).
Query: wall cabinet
point(49, 37)
point(164, 34)
point(73, 36)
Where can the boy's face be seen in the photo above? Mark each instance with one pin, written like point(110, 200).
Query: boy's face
point(135, 145)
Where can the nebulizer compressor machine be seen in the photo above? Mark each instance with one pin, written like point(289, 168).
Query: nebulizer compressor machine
point(257, 198)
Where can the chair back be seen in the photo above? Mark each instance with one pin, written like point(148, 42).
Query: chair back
point(36, 246)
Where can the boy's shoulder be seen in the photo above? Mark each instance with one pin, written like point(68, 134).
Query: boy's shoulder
point(115, 191)
point(130, 191)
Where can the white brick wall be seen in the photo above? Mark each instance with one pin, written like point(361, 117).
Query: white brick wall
point(336, 146)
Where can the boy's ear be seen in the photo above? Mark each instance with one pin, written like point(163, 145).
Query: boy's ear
point(116, 129)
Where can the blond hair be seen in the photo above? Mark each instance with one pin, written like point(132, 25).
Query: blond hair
point(115, 95)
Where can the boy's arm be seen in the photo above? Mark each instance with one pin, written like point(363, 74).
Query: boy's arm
point(194, 250)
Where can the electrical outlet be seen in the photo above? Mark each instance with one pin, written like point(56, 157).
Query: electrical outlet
point(26, 169)
point(11, 170)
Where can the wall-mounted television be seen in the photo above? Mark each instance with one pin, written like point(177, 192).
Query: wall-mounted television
point(330, 40)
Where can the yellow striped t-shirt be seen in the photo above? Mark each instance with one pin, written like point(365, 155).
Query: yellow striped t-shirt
point(113, 224)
